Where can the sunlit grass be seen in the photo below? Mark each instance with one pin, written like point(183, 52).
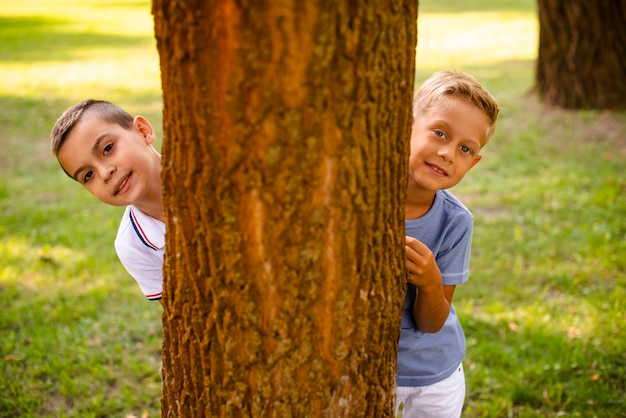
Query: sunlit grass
point(78, 339)
point(543, 310)
point(475, 39)
point(79, 18)
point(497, 47)
point(49, 49)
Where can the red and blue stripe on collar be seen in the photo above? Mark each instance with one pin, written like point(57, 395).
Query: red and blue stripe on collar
point(139, 231)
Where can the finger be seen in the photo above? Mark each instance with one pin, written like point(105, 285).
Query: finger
point(410, 264)
point(417, 245)
point(414, 255)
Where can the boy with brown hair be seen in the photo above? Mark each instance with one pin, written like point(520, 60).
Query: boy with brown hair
point(111, 154)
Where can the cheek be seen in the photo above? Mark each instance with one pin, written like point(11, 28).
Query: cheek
point(466, 167)
point(416, 147)
point(91, 188)
point(414, 156)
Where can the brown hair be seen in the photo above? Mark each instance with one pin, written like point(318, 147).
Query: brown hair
point(100, 108)
point(444, 85)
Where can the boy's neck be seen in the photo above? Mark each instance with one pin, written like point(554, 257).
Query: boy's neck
point(418, 205)
point(155, 212)
point(152, 204)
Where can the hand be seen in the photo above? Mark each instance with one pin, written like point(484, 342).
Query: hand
point(432, 303)
point(421, 265)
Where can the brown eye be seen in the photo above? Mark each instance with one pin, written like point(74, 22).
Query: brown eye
point(88, 175)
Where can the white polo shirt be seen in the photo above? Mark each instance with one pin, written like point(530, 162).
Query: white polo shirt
point(140, 245)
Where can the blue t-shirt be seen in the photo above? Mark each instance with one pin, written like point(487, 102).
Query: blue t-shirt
point(427, 358)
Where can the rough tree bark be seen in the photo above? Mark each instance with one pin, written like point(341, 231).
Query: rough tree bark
point(286, 126)
point(582, 53)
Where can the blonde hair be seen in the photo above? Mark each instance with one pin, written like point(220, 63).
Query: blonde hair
point(444, 85)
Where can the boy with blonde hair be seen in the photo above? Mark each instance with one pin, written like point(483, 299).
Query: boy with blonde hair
point(453, 118)
point(110, 153)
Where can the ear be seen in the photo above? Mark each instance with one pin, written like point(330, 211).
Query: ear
point(476, 160)
point(145, 129)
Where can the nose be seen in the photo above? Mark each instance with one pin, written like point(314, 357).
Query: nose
point(446, 153)
point(106, 172)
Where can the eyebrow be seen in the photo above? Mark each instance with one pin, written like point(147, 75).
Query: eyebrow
point(94, 150)
point(475, 142)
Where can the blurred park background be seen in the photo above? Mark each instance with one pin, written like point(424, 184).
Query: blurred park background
point(544, 310)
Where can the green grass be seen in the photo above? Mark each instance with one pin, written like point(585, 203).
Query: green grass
point(78, 339)
point(543, 312)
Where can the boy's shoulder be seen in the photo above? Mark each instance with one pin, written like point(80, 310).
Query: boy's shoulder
point(446, 214)
point(139, 229)
point(446, 205)
point(448, 202)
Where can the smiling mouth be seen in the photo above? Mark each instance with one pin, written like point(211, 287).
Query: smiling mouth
point(121, 185)
point(437, 169)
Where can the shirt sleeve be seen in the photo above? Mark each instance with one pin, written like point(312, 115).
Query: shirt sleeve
point(145, 266)
point(454, 259)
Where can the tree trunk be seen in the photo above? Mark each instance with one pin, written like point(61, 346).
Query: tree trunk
point(286, 127)
point(582, 53)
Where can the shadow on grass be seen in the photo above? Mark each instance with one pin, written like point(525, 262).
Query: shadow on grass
point(26, 117)
point(38, 38)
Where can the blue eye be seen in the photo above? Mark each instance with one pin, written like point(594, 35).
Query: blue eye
point(439, 133)
point(107, 149)
point(88, 175)
point(465, 149)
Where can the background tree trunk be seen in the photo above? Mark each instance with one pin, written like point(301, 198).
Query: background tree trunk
point(286, 127)
point(582, 53)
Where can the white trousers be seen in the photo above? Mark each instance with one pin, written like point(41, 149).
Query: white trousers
point(442, 400)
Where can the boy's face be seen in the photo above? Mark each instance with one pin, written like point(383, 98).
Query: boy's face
point(114, 164)
point(444, 145)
